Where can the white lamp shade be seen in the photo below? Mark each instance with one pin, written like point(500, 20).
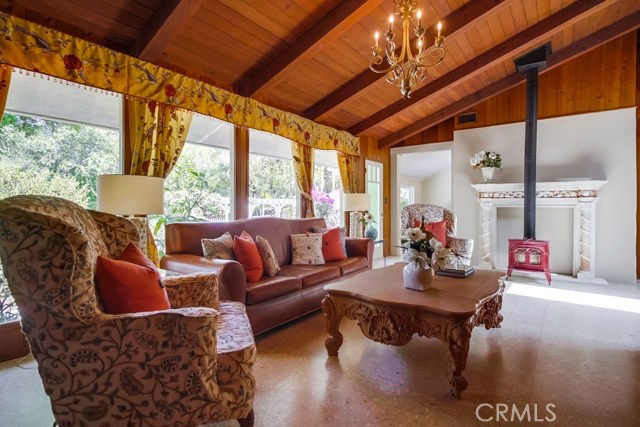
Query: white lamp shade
point(355, 202)
point(130, 194)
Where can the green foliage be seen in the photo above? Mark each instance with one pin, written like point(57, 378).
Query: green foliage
point(47, 148)
point(271, 178)
point(15, 181)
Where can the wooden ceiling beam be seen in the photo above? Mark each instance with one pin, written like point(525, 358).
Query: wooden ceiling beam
point(329, 28)
point(457, 22)
point(582, 46)
point(163, 25)
point(522, 41)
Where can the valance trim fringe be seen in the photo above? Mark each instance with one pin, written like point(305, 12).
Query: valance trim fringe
point(37, 48)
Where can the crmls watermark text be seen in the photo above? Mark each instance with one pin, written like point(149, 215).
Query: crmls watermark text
point(487, 412)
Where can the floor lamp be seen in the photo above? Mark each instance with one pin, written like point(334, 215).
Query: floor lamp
point(356, 204)
point(134, 197)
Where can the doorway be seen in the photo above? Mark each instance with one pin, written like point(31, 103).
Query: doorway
point(420, 174)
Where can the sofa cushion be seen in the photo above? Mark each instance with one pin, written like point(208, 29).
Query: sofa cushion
point(269, 260)
point(220, 247)
point(343, 237)
point(271, 287)
point(310, 275)
point(350, 265)
point(247, 254)
point(306, 249)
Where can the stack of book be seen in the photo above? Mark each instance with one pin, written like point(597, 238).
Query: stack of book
point(456, 270)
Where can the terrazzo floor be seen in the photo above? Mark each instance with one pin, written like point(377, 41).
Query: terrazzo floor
point(567, 363)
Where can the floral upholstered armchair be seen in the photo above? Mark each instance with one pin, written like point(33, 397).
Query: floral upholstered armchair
point(188, 365)
point(412, 215)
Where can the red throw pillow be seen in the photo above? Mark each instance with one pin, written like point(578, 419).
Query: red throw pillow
point(331, 246)
point(416, 222)
point(247, 254)
point(439, 229)
point(130, 284)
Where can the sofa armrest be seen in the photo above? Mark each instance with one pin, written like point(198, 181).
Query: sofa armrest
point(232, 281)
point(357, 246)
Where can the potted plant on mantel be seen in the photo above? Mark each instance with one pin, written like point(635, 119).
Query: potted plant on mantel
point(488, 162)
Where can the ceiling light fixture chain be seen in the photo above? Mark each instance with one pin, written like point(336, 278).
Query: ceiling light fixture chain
point(406, 69)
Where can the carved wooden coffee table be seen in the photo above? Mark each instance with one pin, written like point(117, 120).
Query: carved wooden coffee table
point(388, 313)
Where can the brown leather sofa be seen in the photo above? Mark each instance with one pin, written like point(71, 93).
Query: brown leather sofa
point(296, 290)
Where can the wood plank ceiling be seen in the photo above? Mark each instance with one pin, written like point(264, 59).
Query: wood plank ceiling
point(311, 57)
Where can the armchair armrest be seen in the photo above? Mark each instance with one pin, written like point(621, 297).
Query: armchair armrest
point(363, 247)
point(192, 290)
point(232, 281)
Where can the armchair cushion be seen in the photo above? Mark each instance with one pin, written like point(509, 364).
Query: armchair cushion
point(130, 284)
point(439, 229)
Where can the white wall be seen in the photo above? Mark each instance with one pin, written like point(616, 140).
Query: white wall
point(596, 145)
point(437, 189)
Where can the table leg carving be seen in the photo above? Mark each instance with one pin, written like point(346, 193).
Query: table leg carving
point(333, 324)
point(458, 341)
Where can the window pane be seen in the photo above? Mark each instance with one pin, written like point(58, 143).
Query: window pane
point(199, 186)
point(272, 184)
point(406, 195)
point(327, 188)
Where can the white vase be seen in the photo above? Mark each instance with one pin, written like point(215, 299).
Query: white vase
point(487, 174)
point(417, 275)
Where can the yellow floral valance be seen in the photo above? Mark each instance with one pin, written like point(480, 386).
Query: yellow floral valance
point(37, 48)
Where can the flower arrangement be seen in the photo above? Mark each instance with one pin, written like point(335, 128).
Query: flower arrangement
point(486, 159)
point(417, 240)
point(367, 218)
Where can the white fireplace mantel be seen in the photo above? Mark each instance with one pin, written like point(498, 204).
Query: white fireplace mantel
point(580, 194)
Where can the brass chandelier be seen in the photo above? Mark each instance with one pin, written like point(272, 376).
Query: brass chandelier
point(406, 69)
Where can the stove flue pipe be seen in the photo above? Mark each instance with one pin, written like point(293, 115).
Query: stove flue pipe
point(531, 63)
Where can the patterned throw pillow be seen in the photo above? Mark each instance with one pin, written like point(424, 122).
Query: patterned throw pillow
point(343, 236)
point(219, 248)
point(269, 260)
point(306, 249)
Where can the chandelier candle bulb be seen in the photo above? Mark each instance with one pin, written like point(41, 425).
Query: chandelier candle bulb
point(376, 36)
point(407, 67)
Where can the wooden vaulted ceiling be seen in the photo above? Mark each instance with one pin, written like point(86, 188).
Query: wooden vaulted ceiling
point(311, 57)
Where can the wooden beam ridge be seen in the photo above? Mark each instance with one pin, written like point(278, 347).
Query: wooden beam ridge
point(458, 21)
point(518, 43)
point(582, 46)
point(345, 14)
point(162, 27)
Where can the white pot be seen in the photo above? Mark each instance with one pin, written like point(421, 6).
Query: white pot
point(417, 275)
point(487, 174)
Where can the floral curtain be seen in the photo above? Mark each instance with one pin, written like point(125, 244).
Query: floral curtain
point(155, 134)
point(37, 48)
point(348, 172)
point(5, 80)
point(303, 166)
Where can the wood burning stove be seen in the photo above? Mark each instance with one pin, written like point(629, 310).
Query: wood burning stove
point(528, 253)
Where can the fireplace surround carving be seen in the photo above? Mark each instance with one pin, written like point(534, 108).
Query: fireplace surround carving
point(581, 195)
